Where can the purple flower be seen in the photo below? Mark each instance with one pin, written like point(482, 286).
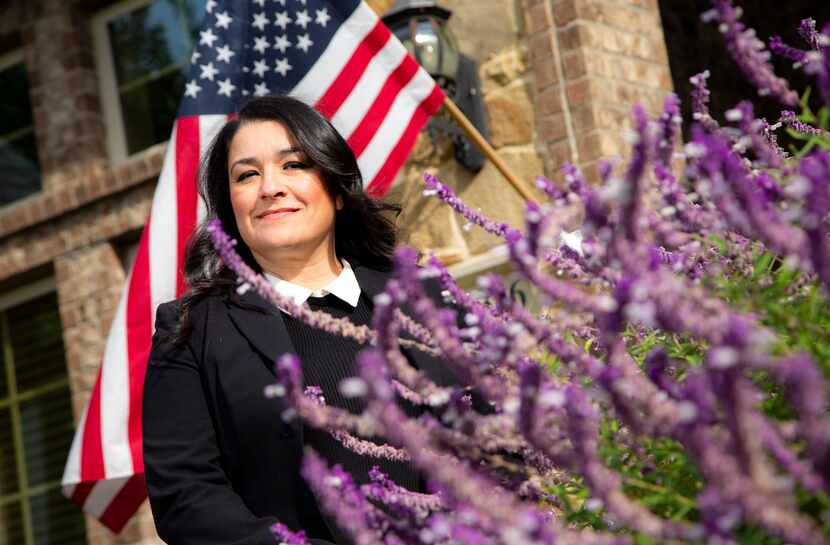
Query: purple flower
point(749, 53)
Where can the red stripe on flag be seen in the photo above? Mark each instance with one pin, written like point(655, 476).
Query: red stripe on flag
point(396, 81)
point(139, 335)
point(81, 492)
point(92, 454)
point(187, 164)
point(343, 84)
point(125, 503)
point(383, 179)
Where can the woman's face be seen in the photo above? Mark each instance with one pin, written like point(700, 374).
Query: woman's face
point(280, 202)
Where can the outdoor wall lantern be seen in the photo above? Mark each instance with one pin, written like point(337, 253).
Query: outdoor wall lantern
point(421, 25)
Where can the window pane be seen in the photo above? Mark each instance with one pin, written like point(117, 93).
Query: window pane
point(151, 49)
point(8, 460)
point(11, 523)
point(56, 521)
point(18, 148)
point(48, 428)
point(37, 344)
point(149, 111)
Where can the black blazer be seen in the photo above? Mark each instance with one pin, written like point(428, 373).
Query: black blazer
point(221, 465)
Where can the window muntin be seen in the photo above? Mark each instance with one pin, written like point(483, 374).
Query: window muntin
point(36, 427)
point(144, 52)
point(18, 146)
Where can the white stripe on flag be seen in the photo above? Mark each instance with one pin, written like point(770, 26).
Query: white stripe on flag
point(209, 127)
point(115, 396)
point(354, 108)
point(102, 494)
point(394, 124)
point(72, 471)
point(164, 233)
point(337, 53)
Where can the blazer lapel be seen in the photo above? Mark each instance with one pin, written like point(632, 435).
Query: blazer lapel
point(260, 322)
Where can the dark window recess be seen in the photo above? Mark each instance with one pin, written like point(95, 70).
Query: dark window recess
point(694, 46)
point(18, 148)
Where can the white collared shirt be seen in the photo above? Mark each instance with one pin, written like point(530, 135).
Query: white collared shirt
point(343, 287)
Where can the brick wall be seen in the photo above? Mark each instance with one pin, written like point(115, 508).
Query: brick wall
point(592, 60)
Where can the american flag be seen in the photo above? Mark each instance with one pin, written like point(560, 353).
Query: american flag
point(335, 55)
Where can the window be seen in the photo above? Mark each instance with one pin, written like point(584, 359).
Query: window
point(18, 148)
point(143, 52)
point(36, 424)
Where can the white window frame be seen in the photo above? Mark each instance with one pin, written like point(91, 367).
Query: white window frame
point(25, 293)
point(11, 58)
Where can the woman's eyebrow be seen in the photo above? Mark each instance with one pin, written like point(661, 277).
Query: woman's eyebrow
point(253, 161)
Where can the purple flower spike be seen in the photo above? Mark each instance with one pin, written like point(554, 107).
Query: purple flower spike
point(668, 125)
point(807, 31)
point(285, 535)
point(816, 169)
point(777, 46)
point(435, 187)
point(341, 498)
point(789, 119)
point(700, 101)
point(630, 194)
point(749, 52)
point(818, 63)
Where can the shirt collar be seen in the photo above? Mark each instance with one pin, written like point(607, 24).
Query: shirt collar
point(343, 287)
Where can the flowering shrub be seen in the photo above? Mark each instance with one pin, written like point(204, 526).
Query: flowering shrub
point(675, 389)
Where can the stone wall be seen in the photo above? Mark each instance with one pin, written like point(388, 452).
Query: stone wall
point(492, 34)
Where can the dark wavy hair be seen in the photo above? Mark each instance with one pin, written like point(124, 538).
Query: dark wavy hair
point(364, 231)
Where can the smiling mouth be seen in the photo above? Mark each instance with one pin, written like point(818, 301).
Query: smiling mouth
point(276, 214)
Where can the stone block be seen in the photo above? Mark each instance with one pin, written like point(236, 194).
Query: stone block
point(510, 113)
point(503, 68)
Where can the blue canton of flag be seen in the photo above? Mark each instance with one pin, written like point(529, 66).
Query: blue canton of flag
point(255, 48)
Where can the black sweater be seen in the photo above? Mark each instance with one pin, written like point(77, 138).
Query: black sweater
point(326, 360)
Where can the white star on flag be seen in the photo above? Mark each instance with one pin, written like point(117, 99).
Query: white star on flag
point(210, 5)
point(304, 42)
point(282, 67)
point(260, 90)
point(223, 20)
point(303, 19)
point(195, 57)
point(207, 37)
point(260, 44)
point(224, 53)
point(282, 44)
point(260, 20)
point(260, 2)
point(192, 89)
point(322, 17)
point(260, 67)
point(226, 87)
point(208, 71)
point(282, 19)
point(282, 2)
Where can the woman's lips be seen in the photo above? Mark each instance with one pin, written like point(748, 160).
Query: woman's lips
point(277, 214)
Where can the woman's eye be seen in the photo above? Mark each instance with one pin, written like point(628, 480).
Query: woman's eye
point(246, 174)
point(295, 164)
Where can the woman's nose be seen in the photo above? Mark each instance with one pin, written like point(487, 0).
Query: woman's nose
point(272, 185)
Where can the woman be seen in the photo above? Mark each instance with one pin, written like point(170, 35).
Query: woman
point(221, 465)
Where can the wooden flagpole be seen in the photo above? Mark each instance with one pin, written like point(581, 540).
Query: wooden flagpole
point(485, 147)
